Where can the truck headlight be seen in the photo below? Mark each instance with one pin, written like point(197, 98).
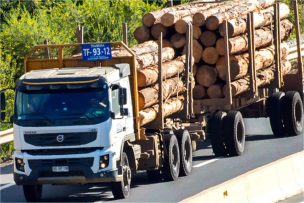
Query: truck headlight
point(19, 164)
point(104, 161)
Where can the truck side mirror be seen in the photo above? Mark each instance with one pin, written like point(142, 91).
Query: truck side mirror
point(2, 101)
point(122, 96)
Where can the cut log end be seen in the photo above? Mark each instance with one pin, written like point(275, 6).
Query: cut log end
point(196, 32)
point(141, 79)
point(142, 34)
point(198, 19)
point(157, 29)
point(206, 75)
point(212, 23)
point(197, 51)
point(208, 38)
point(148, 19)
point(215, 91)
point(168, 19)
point(210, 55)
point(221, 68)
point(220, 46)
point(181, 24)
point(178, 40)
point(199, 92)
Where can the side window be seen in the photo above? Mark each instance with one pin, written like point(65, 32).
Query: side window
point(115, 100)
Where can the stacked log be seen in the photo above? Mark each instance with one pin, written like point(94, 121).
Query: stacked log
point(264, 77)
point(209, 69)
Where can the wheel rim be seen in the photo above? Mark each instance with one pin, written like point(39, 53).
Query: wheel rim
point(126, 171)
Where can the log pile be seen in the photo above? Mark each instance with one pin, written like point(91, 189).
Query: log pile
point(209, 69)
point(147, 77)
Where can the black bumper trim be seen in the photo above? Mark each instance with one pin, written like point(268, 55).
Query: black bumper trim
point(106, 176)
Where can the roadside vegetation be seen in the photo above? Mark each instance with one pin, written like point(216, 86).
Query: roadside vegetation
point(28, 23)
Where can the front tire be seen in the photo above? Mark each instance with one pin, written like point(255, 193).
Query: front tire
point(185, 149)
point(171, 165)
point(293, 113)
point(32, 193)
point(234, 129)
point(121, 190)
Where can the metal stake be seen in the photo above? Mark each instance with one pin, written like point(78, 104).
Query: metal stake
point(125, 33)
point(227, 62)
point(160, 82)
point(252, 70)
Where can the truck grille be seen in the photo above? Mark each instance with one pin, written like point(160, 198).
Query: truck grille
point(87, 162)
point(60, 139)
point(77, 167)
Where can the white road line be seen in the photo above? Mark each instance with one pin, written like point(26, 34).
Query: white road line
point(204, 163)
point(6, 186)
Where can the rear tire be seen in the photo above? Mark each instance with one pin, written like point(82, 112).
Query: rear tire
point(171, 165)
point(274, 110)
point(215, 132)
point(234, 129)
point(32, 193)
point(293, 113)
point(121, 190)
point(185, 149)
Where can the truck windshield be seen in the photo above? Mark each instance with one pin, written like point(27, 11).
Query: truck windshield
point(61, 108)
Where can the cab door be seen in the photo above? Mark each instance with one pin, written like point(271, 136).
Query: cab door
point(117, 113)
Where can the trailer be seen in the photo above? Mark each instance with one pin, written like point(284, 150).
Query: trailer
point(65, 143)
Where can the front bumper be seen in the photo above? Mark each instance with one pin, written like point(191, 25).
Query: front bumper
point(101, 177)
point(83, 168)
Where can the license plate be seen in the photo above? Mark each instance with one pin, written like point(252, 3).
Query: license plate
point(95, 52)
point(60, 169)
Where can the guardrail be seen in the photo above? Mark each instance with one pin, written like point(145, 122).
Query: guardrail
point(6, 136)
point(292, 55)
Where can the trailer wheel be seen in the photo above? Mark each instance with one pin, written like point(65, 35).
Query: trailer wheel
point(171, 165)
point(274, 111)
point(121, 190)
point(32, 193)
point(185, 149)
point(215, 131)
point(234, 129)
point(293, 113)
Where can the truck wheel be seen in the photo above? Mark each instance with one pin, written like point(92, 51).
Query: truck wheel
point(234, 129)
point(274, 111)
point(121, 190)
point(185, 149)
point(171, 165)
point(32, 193)
point(293, 113)
point(215, 132)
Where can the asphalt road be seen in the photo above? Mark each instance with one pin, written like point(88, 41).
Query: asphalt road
point(208, 171)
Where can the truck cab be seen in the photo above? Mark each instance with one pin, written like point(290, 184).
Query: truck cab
point(71, 124)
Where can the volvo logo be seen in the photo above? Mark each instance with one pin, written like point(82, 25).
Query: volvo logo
point(60, 138)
